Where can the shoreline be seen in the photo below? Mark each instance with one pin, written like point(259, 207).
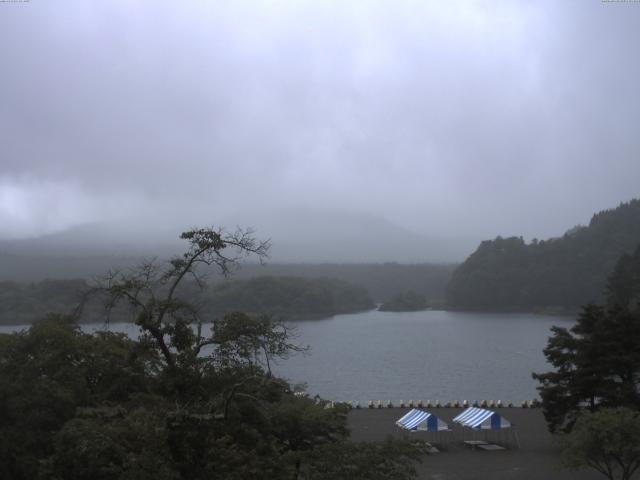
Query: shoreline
point(548, 312)
point(537, 458)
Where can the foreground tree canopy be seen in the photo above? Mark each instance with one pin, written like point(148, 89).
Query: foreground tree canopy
point(186, 400)
point(597, 361)
point(607, 441)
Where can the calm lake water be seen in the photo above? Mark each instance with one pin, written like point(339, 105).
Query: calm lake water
point(432, 355)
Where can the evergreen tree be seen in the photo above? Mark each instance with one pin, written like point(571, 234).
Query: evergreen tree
point(597, 361)
point(559, 273)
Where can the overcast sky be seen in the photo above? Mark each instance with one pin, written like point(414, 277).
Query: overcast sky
point(451, 118)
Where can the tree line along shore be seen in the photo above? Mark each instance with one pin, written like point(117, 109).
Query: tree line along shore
point(193, 399)
point(553, 276)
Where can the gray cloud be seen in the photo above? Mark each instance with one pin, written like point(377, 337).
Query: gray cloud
point(473, 118)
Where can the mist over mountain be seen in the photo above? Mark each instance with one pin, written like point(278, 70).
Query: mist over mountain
point(100, 239)
point(323, 158)
point(311, 236)
point(314, 235)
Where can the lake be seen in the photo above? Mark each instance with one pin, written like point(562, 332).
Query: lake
point(430, 355)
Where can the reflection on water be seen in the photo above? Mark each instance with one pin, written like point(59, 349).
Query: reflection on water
point(432, 355)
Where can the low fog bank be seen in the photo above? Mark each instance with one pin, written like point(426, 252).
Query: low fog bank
point(296, 236)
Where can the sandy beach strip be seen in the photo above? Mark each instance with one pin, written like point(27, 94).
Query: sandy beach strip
point(537, 458)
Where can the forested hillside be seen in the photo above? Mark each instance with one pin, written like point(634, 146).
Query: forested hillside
point(287, 297)
point(24, 303)
point(282, 297)
point(382, 280)
point(565, 272)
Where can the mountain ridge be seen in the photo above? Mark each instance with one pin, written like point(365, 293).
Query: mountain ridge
point(565, 272)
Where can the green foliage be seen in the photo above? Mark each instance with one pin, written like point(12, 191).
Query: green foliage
point(284, 297)
point(381, 280)
point(287, 291)
point(178, 403)
point(565, 272)
point(405, 302)
point(24, 303)
point(597, 361)
point(49, 372)
point(111, 442)
point(607, 440)
point(389, 460)
point(101, 406)
point(624, 283)
point(243, 340)
point(298, 422)
point(287, 297)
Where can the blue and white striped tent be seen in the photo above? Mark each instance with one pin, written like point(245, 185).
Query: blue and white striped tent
point(482, 419)
point(422, 421)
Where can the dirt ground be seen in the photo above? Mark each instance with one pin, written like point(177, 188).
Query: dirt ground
point(537, 458)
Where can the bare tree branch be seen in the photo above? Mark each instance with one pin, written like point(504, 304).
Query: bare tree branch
point(151, 291)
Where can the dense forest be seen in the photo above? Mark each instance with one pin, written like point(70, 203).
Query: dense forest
point(22, 303)
point(287, 297)
point(562, 273)
point(291, 290)
point(382, 280)
point(185, 400)
point(409, 301)
point(595, 363)
point(290, 298)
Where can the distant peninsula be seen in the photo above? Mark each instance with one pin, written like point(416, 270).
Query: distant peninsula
point(409, 301)
point(286, 297)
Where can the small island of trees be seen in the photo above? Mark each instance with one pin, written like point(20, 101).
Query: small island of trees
point(409, 301)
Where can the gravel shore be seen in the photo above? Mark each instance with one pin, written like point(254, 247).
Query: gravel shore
point(537, 458)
